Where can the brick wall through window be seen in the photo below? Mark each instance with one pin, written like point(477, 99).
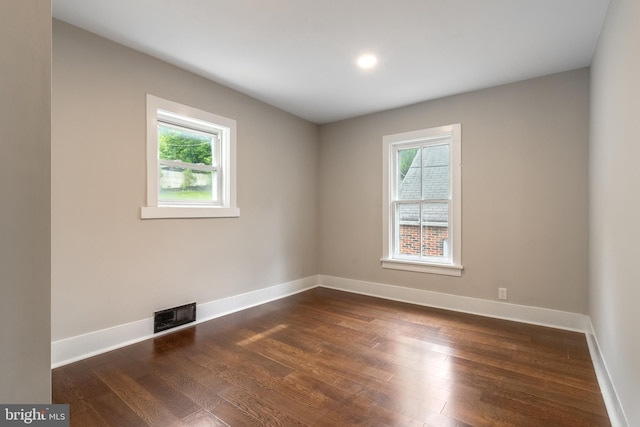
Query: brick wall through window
point(433, 240)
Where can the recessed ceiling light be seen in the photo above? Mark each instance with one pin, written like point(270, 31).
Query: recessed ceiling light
point(367, 61)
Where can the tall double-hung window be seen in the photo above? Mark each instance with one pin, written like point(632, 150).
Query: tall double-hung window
point(422, 201)
point(190, 162)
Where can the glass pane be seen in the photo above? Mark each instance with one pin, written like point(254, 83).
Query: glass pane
point(407, 221)
point(185, 145)
point(408, 174)
point(184, 184)
point(435, 172)
point(435, 229)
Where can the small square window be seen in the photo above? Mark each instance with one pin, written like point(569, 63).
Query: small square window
point(188, 166)
point(190, 162)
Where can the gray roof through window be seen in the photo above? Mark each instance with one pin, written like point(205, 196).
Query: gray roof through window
point(428, 179)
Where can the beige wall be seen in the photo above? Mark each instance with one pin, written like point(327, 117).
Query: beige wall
point(108, 266)
point(524, 203)
point(614, 285)
point(25, 107)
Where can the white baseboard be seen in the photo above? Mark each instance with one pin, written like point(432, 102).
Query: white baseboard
point(501, 310)
point(83, 346)
point(611, 401)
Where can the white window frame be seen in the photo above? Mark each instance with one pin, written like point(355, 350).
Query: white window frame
point(163, 110)
point(391, 144)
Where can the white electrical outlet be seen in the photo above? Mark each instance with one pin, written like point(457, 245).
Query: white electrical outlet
point(502, 293)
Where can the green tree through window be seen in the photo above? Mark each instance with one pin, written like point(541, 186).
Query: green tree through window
point(406, 159)
point(188, 147)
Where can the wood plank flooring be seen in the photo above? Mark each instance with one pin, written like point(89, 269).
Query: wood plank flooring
point(330, 358)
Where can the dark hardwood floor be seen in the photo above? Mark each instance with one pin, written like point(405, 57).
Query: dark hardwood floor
point(329, 358)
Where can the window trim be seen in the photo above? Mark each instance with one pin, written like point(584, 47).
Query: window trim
point(389, 145)
point(183, 115)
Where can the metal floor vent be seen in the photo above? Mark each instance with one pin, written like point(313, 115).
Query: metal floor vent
point(172, 317)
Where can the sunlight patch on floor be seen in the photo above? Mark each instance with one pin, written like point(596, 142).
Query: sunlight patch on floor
point(261, 335)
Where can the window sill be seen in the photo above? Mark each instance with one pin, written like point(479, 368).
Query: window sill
point(187, 212)
point(421, 267)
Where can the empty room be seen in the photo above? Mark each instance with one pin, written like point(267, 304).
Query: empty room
point(320, 213)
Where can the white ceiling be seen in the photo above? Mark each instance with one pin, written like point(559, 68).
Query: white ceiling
point(299, 55)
